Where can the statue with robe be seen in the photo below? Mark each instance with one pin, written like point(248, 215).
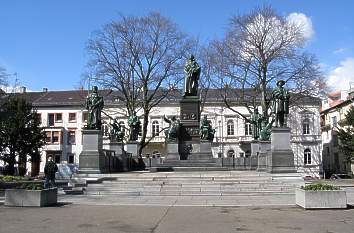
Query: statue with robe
point(192, 73)
point(117, 131)
point(256, 121)
point(171, 132)
point(206, 130)
point(94, 105)
point(134, 127)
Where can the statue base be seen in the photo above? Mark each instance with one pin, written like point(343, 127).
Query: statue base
point(132, 148)
point(190, 118)
point(264, 151)
point(281, 158)
point(92, 157)
point(172, 151)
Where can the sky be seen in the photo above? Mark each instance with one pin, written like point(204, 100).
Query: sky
point(42, 43)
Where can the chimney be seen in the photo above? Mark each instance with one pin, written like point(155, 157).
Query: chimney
point(45, 89)
point(22, 89)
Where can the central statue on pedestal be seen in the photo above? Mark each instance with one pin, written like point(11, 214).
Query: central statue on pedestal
point(94, 105)
point(192, 71)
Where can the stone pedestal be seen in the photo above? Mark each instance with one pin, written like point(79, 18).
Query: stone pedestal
point(92, 158)
point(190, 118)
point(264, 150)
point(132, 148)
point(281, 159)
point(193, 150)
point(254, 155)
point(172, 151)
point(117, 147)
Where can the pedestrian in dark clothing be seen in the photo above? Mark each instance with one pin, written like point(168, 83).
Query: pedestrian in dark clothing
point(49, 171)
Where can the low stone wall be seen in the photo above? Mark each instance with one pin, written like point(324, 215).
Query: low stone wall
point(36, 198)
point(331, 199)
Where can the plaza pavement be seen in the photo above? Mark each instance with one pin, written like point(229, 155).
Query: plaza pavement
point(173, 219)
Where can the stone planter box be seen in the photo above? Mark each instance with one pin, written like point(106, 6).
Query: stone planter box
point(331, 199)
point(38, 198)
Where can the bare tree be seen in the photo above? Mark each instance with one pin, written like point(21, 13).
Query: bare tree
point(260, 48)
point(142, 58)
point(3, 77)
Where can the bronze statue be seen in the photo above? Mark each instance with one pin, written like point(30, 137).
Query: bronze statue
point(117, 131)
point(280, 104)
point(266, 131)
point(192, 71)
point(134, 127)
point(256, 121)
point(206, 130)
point(94, 105)
point(172, 132)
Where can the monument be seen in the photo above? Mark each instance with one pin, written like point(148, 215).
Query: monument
point(189, 137)
point(132, 146)
point(92, 158)
point(281, 158)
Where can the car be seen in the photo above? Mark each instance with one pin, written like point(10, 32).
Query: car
point(340, 176)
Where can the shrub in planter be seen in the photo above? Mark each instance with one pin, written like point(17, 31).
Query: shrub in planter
point(321, 196)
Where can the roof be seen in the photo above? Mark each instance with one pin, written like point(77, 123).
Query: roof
point(77, 97)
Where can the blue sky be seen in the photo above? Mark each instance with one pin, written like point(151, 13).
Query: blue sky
point(44, 41)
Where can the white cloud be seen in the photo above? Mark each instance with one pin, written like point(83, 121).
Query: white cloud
point(304, 22)
point(340, 50)
point(340, 77)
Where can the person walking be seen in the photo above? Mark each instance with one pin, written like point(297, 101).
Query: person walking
point(49, 171)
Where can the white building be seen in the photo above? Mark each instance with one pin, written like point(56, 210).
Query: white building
point(63, 115)
point(333, 112)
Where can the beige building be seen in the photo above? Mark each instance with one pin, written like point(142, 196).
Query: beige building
point(333, 113)
point(63, 116)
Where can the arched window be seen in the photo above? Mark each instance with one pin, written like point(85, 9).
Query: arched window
point(230, 153)
point(230, 127)
point(105, 129)
point(306, 126)
point(307, 156)
point(155, 128)
point(122, 126)
point(248, 129)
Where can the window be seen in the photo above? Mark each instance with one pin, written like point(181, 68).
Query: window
point(155, 128)
point(48, 139)
point(71, 158)
point(53, 137)
point(71, 137)
point(307, 156)
point(57, 158)
point(230, 153)
point(39, 117)
point(51, 119)
point(84, 116)
point(334, 121)
point(248, 129)
point(306, 126)
point(242, 154)
point(58, 117)
point(72, 117)
point(122, 126)
point(230, 127)
point(105, 130)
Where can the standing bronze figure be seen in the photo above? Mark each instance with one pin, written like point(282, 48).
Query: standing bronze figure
point(94, 105)
point(192, 71)
point(256, 121)
point(134, 127)
point(280, 105)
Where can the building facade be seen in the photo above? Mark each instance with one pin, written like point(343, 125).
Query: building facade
point(333, 112)
point(63, 117)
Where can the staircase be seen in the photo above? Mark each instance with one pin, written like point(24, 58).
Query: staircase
point(220, 183)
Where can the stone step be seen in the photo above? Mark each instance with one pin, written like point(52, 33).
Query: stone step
point(190, 193)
